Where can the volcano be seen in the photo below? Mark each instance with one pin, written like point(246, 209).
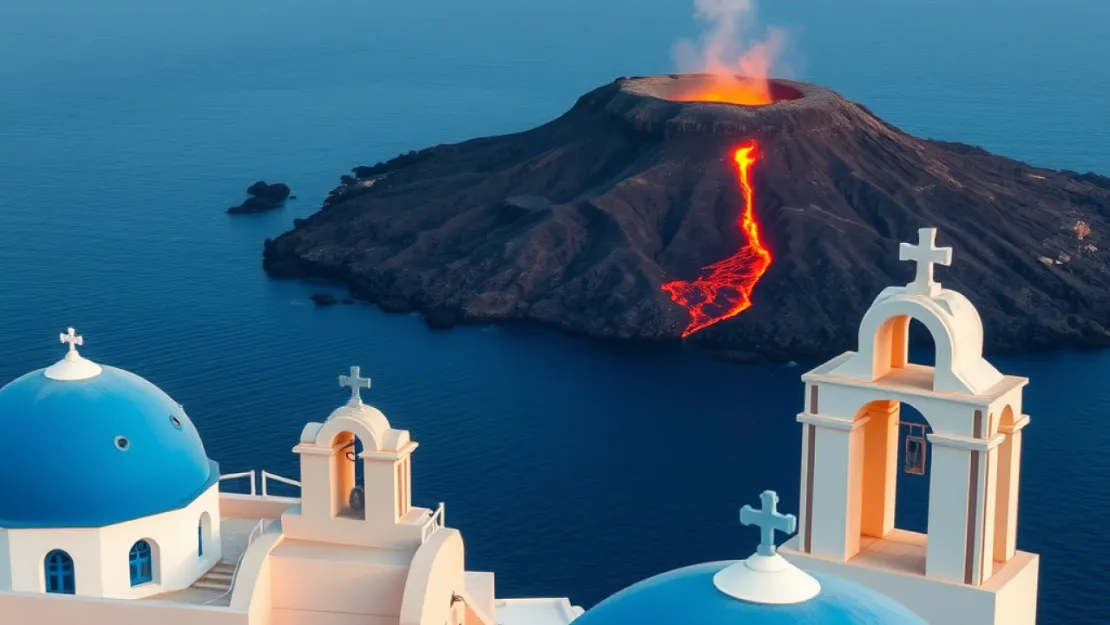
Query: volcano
point(604, 221)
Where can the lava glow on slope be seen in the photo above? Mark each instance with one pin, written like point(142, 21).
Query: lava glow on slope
point(724, 289)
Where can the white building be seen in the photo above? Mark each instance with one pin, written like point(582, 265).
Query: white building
point(145, 536)
point(148, 537)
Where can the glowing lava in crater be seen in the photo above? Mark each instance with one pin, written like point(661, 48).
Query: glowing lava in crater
point(724, 289)
point(729, 89)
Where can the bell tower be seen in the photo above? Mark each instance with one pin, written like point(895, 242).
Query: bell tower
point(356, 480)
point(965, 570)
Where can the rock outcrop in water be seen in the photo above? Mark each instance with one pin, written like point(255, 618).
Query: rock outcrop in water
point(263, 197)
point(578, 223)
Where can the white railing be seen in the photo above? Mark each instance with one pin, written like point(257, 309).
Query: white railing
point(266, 476)
point(434, 523)
point(260, 528)
point(237, 476)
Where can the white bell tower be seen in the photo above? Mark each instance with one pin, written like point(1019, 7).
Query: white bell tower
point(965, 570)
point(335, 507)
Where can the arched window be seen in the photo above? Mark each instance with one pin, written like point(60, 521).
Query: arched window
point(204, 533)
point(141, 564)
point(59, 573)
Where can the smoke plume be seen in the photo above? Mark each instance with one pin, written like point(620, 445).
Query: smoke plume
point(731, 46)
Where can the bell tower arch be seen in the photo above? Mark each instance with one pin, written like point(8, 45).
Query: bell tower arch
point(356, 480)
point(851, 436)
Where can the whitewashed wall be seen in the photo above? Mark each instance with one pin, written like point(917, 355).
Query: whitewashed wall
point(100, 555)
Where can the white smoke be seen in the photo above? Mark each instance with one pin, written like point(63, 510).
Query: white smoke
point(729, 46)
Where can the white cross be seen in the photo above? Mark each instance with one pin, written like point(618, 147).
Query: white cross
point(769, 521)
point(70, 336)
point(355, 382)
point(925, 254)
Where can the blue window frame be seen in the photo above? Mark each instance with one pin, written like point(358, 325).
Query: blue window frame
point(200, 540)
point(59, 573)
point(140, 562)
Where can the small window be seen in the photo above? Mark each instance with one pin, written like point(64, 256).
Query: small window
point(141, 563)
point(175, 421)
point(204, 535)
point(122, 443)
point(59, 573)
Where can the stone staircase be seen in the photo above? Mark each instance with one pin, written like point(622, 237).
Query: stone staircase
point(218, 577)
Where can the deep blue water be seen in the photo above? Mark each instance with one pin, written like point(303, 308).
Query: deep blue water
point(572, 467)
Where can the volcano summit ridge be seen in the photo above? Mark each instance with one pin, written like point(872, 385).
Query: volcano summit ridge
point(645, 105)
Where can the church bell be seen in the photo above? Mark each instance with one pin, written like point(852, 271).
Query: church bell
point(915, 449)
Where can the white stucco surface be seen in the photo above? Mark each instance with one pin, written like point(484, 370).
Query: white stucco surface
point(535, 611)
point(100, 555)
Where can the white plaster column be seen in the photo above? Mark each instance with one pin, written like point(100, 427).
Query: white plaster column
point(880, 466)
point(948, 493)
point(382, 488)
point(958, 495)
point(805, 489)
point(834, 521)
point(1009, 474)
point(984, 530)
point(805, 497)
point(316, 480)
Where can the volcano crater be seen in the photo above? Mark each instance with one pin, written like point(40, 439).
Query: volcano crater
point(662, 105)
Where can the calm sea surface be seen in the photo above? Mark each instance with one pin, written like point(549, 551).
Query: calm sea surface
point(572, 467)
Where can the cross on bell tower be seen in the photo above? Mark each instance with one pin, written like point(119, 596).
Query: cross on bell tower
point(356, 383)
point(925, 254)
point(769, 521)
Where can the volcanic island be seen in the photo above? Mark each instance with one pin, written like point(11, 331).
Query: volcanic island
point(658, 209)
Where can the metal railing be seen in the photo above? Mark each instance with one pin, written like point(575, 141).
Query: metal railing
point(264, 476)
point(259, 527)
point(237, 476)
point(433, 524)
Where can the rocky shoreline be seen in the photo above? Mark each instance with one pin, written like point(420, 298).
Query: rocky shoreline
point(576, 224)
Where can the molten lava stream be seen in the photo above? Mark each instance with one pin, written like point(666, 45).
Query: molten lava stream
point(725, 289)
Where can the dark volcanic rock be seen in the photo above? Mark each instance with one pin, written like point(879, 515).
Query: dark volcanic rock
point(274, 192)
point(441, 319)
point(578, 222)
point(324, 299)
point(264, 197)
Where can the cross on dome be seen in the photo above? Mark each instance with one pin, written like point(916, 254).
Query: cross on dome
point(70, 336)
point(765, 576)
point(769, 521)
point(72, 366)
point(925, 254)
point(356, 383)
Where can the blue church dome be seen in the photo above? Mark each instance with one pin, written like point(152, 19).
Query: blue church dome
point(765, 589)
point(688, 596)
point(85, 445)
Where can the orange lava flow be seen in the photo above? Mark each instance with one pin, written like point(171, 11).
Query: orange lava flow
point(730, 90)
point(724, 289)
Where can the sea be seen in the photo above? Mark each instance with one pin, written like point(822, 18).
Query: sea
point(572, 467)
